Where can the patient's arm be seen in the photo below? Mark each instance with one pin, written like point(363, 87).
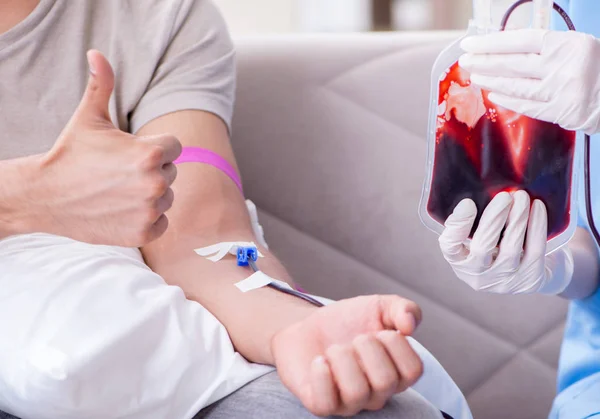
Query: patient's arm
point(340, 359)
point(586, 273)
point(209, 209)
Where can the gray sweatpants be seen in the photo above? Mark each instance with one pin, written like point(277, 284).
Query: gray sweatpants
point(267, 398)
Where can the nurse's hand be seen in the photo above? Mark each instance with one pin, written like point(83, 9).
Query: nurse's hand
point(519, 265)
point(546, 75)
point(351, 355)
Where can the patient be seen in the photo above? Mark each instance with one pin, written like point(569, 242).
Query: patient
point(95, 328)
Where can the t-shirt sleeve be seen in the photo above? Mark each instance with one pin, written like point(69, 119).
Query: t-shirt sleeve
point(196, 71)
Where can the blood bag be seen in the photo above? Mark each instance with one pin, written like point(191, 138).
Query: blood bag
point(477, 149)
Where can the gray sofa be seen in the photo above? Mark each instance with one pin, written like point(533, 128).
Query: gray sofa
point(330, 135)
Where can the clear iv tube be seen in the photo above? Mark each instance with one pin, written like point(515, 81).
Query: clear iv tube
point(482, 14)
point(542, 12)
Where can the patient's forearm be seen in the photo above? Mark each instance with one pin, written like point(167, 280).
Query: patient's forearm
point(209, 209)
point(207, 213)
point(251, 319)
point(17, 196)
point(586, 274)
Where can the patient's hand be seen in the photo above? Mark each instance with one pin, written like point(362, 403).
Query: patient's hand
point(102, 185)
point(350, 356)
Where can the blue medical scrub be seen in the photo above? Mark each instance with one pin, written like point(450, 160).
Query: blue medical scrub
point(579, 367)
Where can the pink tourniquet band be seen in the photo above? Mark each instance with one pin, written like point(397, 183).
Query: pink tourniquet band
point(202, 155)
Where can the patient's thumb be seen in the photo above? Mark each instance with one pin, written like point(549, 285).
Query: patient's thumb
point(95, 100)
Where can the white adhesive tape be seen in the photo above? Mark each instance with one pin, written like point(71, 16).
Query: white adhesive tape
point(259, 280)
point(256, 227)
point(218, 251)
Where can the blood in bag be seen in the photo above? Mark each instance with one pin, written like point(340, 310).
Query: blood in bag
point(482, 149)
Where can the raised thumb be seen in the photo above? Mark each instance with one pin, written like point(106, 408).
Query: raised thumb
point(94, 103)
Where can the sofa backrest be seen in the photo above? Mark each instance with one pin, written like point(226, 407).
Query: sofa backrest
point(329, 131)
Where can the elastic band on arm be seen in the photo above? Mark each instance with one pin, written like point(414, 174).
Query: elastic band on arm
point(204, 156)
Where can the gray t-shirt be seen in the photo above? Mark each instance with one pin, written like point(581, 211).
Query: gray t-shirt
point(167, 55)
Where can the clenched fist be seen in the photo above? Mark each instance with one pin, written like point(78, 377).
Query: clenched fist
point(103, 185)
point(350, 356)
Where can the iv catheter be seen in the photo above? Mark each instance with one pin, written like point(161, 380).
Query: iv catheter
point(542, 21)
point(247, 256)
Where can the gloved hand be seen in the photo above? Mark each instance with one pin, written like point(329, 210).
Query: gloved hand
point(546, 75)
point(513, 268)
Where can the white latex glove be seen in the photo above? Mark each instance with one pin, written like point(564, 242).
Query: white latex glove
point(520, 265)
point(546, 75)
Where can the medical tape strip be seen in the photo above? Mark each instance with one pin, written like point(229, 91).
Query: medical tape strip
point(259, 280)
point(218, 251)
point(259, 232)
point(255, 281)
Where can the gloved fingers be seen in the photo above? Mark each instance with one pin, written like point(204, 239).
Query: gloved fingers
point(458, 227)
point(537, 234)
point(508, 66)
point(488, 233)
point(560, 265)
point(530, 108)
point(511, 247)
point(518, 88)
point(525, 41)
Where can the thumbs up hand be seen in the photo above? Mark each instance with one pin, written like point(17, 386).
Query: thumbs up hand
point(103, 185)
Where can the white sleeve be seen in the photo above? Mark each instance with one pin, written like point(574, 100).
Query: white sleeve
point(90, 330)
point(438, 387)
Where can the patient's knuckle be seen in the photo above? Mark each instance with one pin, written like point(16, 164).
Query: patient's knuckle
point(156, 186)
point(143, 235)
point(412, 307)
point(414, 371)
point(169, 198)
point(356, 395)
point(150, 216)
point(320, 408)
point(377, 405)
point(172, 143)
point(152, 156)
point(333, 351)
point(385, 382)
